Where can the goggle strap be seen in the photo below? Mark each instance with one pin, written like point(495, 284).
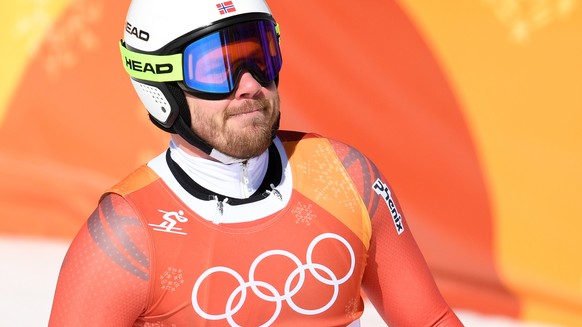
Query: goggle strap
point(278, 32)
point(153, 68)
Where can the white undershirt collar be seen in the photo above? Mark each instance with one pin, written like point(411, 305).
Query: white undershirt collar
point(236, 180)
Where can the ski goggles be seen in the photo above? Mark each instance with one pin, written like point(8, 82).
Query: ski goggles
point(213, 64)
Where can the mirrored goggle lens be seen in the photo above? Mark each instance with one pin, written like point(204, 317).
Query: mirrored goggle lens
point(213, 64)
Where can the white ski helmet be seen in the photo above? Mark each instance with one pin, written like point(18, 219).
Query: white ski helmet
point(173, 46)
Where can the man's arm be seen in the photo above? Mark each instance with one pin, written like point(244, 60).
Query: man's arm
point(397, 279)
point(104, 279)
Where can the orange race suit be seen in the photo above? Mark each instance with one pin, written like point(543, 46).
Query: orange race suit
point(160, 250)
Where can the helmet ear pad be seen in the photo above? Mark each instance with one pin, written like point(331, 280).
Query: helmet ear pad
point(178, 106)
point(160, 101)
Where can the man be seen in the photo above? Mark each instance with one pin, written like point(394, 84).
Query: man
point(237, 224)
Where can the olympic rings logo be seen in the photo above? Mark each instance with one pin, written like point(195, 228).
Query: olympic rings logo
point(274, 296)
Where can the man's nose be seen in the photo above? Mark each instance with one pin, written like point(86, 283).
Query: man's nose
point(248, 86)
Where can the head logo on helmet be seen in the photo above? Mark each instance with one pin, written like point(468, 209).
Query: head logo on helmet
point(146, 67)
point(132, 30)
point(143, 66)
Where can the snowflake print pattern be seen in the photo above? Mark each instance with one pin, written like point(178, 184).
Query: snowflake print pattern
point(321, 170)
point(303, 213)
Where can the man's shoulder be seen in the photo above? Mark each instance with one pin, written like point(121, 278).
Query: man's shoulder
point(139, 178)
point(291, 136)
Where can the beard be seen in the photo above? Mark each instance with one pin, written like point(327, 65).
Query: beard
point(242, 143)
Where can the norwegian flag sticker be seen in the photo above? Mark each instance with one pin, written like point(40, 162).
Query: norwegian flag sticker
point(225, 7)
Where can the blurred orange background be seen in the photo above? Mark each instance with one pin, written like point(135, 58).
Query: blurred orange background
point(472, 109)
